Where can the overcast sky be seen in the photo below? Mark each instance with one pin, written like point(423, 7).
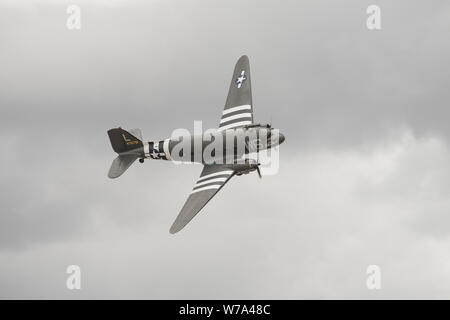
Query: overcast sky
point(364, 173)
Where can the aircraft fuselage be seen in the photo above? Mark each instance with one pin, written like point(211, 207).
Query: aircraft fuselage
point(226, 146)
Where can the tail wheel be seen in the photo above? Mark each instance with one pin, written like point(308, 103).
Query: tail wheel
point(141, 160)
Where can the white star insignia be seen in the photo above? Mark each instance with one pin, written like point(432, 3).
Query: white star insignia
point(241, 79)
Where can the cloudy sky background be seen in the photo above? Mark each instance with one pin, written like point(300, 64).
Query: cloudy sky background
point(365, 170)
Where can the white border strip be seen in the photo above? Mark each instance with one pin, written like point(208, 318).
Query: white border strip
point(215, 174)
point(236, 116)
point(166, 149)
point(243, 107)
point(146, 150)
point(236, 124)
point(206, 188)
point(211, 181)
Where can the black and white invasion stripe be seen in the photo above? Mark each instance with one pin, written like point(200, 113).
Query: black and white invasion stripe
point(212, 181)
point(236, 117)
point(157, 150)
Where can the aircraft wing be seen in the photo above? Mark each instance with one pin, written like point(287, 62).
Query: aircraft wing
point(212, 179)
point(238, 109)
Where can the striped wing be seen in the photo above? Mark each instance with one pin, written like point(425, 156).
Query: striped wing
point(212, 179)
point(238, 109)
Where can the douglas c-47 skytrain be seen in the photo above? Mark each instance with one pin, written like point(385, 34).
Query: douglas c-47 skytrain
point(224, 152)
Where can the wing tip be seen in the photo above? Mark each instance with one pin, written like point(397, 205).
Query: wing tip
point(243, 57)
point(174, 229)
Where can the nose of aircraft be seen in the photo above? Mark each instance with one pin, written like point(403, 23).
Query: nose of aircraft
point(281, 138)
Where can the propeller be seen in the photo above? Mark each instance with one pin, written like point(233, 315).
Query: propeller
point(259, 171)
point(256, 166)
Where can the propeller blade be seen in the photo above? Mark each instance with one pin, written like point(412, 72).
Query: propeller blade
point(259, 171)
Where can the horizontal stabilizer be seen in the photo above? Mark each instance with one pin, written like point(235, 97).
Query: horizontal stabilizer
point(120, 165)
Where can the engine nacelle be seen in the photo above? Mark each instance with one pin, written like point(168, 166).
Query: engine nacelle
point(247, 167)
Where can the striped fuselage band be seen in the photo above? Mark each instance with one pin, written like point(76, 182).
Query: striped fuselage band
point(166, 149)
point(146, 149)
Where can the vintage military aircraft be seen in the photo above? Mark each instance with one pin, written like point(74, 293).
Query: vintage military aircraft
point(236, 125)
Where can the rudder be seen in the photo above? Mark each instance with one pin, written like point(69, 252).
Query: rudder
point(123, 141)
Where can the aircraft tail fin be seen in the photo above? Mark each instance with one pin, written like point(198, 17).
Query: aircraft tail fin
point(120, 165)
point(123, 141)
